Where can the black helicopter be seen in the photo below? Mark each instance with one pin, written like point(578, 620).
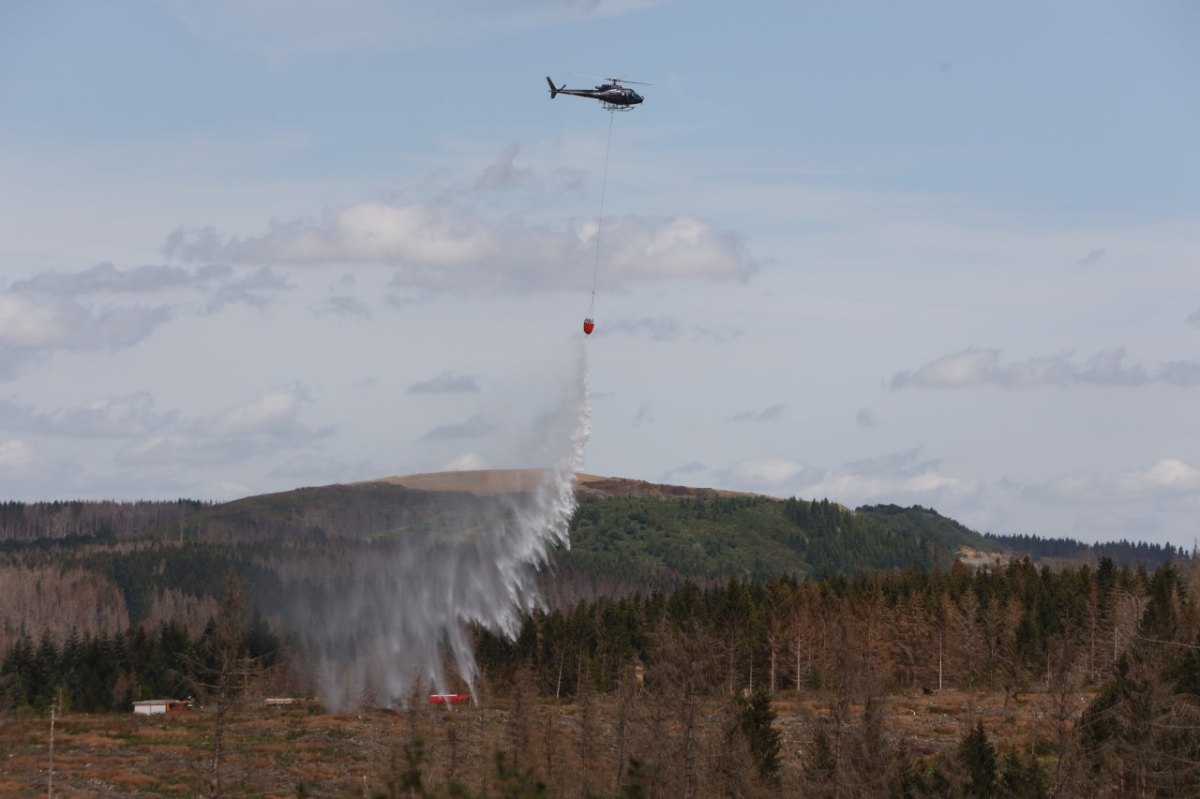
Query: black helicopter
point(612, 94)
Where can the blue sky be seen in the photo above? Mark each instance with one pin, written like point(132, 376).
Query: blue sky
point(934, 253)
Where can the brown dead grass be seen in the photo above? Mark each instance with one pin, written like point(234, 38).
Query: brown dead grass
point(270, 753)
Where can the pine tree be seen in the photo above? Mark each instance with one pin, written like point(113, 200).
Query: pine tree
point(979, 757)
point(755, 720)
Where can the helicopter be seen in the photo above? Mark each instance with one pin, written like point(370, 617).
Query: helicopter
point(612, 94)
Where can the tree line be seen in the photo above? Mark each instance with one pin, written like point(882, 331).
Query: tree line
point(683, 683)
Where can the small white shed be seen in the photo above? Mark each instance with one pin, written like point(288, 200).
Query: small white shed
point(149, 707)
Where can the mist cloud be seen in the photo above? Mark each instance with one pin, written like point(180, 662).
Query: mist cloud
point(475, 427)
point(769, 414)
point(106, 278)
point(503, 173)
point(973, 367)
point(446, 383)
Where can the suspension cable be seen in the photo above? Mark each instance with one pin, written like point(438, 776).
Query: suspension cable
point(600, 223)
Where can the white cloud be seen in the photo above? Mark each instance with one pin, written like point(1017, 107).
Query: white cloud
point(900, 478)
point(106, 278)
point(980, 367)
point(466, 462)
point(444, 245)
point(262, 426)
point(254, 290)
point(28, 473)
point(15, 454)
point(446, 383)
point(344, 305)
point(31, 328)
point(107, 417)
point(768, 473)
point(665, 329)
point(1166, 483)
point(272, 414)
point(29, 324)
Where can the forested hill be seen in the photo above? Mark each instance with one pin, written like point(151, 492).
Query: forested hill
point(653, 542)
point(135, 563)
point(1132, 553)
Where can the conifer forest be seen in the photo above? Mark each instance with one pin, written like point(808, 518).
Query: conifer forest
point(677, 653)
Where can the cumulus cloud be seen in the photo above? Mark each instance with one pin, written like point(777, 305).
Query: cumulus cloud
point(901, 477)
point(771, 413)
point(769, 473)
point(665, 329)
point(106, 278)
point(15, 454)
point(344, 305)
point(446, 383)
point(51, 311)
point(1168, 482)
point(475, 427)
point(256, 290)
point(33, 327)
point(28, 473)
point(444, 245)
point(264, 425)
point(122, 416)
point(273, 414)
point(982, 367)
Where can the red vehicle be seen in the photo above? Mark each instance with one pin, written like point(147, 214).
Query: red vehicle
point(448, 699)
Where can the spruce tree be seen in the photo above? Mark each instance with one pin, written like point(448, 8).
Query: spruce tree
point(978, 755)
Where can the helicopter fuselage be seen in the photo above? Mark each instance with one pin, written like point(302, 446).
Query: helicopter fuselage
point(611, 94)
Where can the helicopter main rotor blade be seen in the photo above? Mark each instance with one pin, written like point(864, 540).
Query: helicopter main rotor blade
point(611, 80)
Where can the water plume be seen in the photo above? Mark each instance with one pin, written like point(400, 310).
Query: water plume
point(387, 615)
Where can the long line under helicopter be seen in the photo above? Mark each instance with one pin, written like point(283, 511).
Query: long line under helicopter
point(614, 97)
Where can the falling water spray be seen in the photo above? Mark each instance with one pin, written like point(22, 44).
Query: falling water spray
point(380, 618)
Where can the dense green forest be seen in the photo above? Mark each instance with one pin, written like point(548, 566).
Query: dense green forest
point(1131, 552)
